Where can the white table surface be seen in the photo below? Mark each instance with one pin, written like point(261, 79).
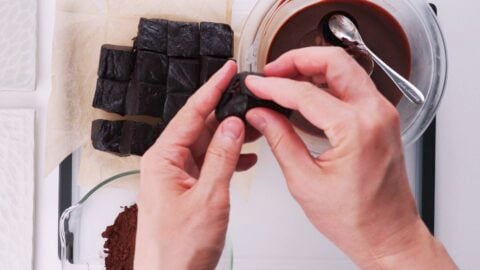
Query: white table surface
point(46, 207)
point(458, 169)
point(457, 220)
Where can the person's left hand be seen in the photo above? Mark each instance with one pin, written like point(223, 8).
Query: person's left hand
point(184, 199)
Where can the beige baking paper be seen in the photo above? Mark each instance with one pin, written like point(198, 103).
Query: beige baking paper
point(81, 28)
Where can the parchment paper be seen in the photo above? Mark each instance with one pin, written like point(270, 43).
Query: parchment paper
point(81, 28)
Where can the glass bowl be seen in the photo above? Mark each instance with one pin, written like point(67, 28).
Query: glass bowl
point(427, 45)
point(81, 226)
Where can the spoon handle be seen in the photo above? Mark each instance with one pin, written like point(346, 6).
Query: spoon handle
point(410, 91)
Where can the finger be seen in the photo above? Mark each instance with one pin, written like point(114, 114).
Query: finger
point(290, 151)
point(246, 162)
point(318, 80)
point(317, 106)
point(346, 79)
point(188, 124)
point(201, 145)
point(211, 125)
point(251, 134)
point(222, 155)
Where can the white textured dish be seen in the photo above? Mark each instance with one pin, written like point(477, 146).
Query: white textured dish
point(17, 188)
point(18, 45)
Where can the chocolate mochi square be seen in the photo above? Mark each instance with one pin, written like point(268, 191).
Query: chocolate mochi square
point(173, 104)
point(237, 100)
point(107, 137)
point(152, 35)
point(139, 137)
point(110, 96)
point(216, 39)
point(209, 66)
point(151, 67)
point(183, 39)
point(145, 99)
point(116, 63)
point(183, 76)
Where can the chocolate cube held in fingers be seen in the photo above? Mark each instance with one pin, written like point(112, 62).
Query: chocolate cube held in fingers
point(116, 63)
point(173, 104)
point(209, 66)
point(151, 67)
point(237, 100)
point(216, 39)
point(145, 99)
point(183, 76)
point(107, 137)
point(152, 35)
point(183, 39)
point(110, 96)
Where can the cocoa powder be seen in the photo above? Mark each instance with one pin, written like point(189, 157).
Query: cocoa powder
point(120, 240)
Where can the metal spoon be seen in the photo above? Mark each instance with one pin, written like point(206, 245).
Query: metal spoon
point(346, 31)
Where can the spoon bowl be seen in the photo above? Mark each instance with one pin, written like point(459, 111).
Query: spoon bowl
point(345, 30)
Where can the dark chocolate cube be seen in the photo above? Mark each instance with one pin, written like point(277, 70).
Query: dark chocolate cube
point(151, 67)
point(216, 39)
point(139, 137)
point(107, 137)
point(174, 103)
point(210, 65)
point(152, 35)
point(116, 63)
point(183, 76)
point(145, 99)
point(183, 39)
point(237, 100)
point(110, 96)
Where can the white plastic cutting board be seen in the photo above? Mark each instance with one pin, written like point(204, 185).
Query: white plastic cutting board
point(16, 189)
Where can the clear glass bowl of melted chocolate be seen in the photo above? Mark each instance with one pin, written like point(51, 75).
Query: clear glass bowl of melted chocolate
point(404, 33)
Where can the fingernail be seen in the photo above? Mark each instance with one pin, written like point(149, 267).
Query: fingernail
point(257, 121)
point(232, 128)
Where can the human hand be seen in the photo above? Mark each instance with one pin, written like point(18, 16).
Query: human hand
point(184, 200)
point(357, 193)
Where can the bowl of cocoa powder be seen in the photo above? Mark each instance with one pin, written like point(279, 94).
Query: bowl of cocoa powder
point(99, 232)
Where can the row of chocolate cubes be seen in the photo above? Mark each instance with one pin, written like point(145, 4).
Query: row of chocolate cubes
point(168, 63)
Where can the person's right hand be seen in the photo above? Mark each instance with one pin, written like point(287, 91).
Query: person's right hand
point(356, 193)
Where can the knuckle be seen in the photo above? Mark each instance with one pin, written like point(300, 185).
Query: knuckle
point(372, 129)
point(387, 113)
point(373, 126)
point(392, 116)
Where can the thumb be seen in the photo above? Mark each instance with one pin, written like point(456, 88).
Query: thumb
point(289, 150)
point(222, 155)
